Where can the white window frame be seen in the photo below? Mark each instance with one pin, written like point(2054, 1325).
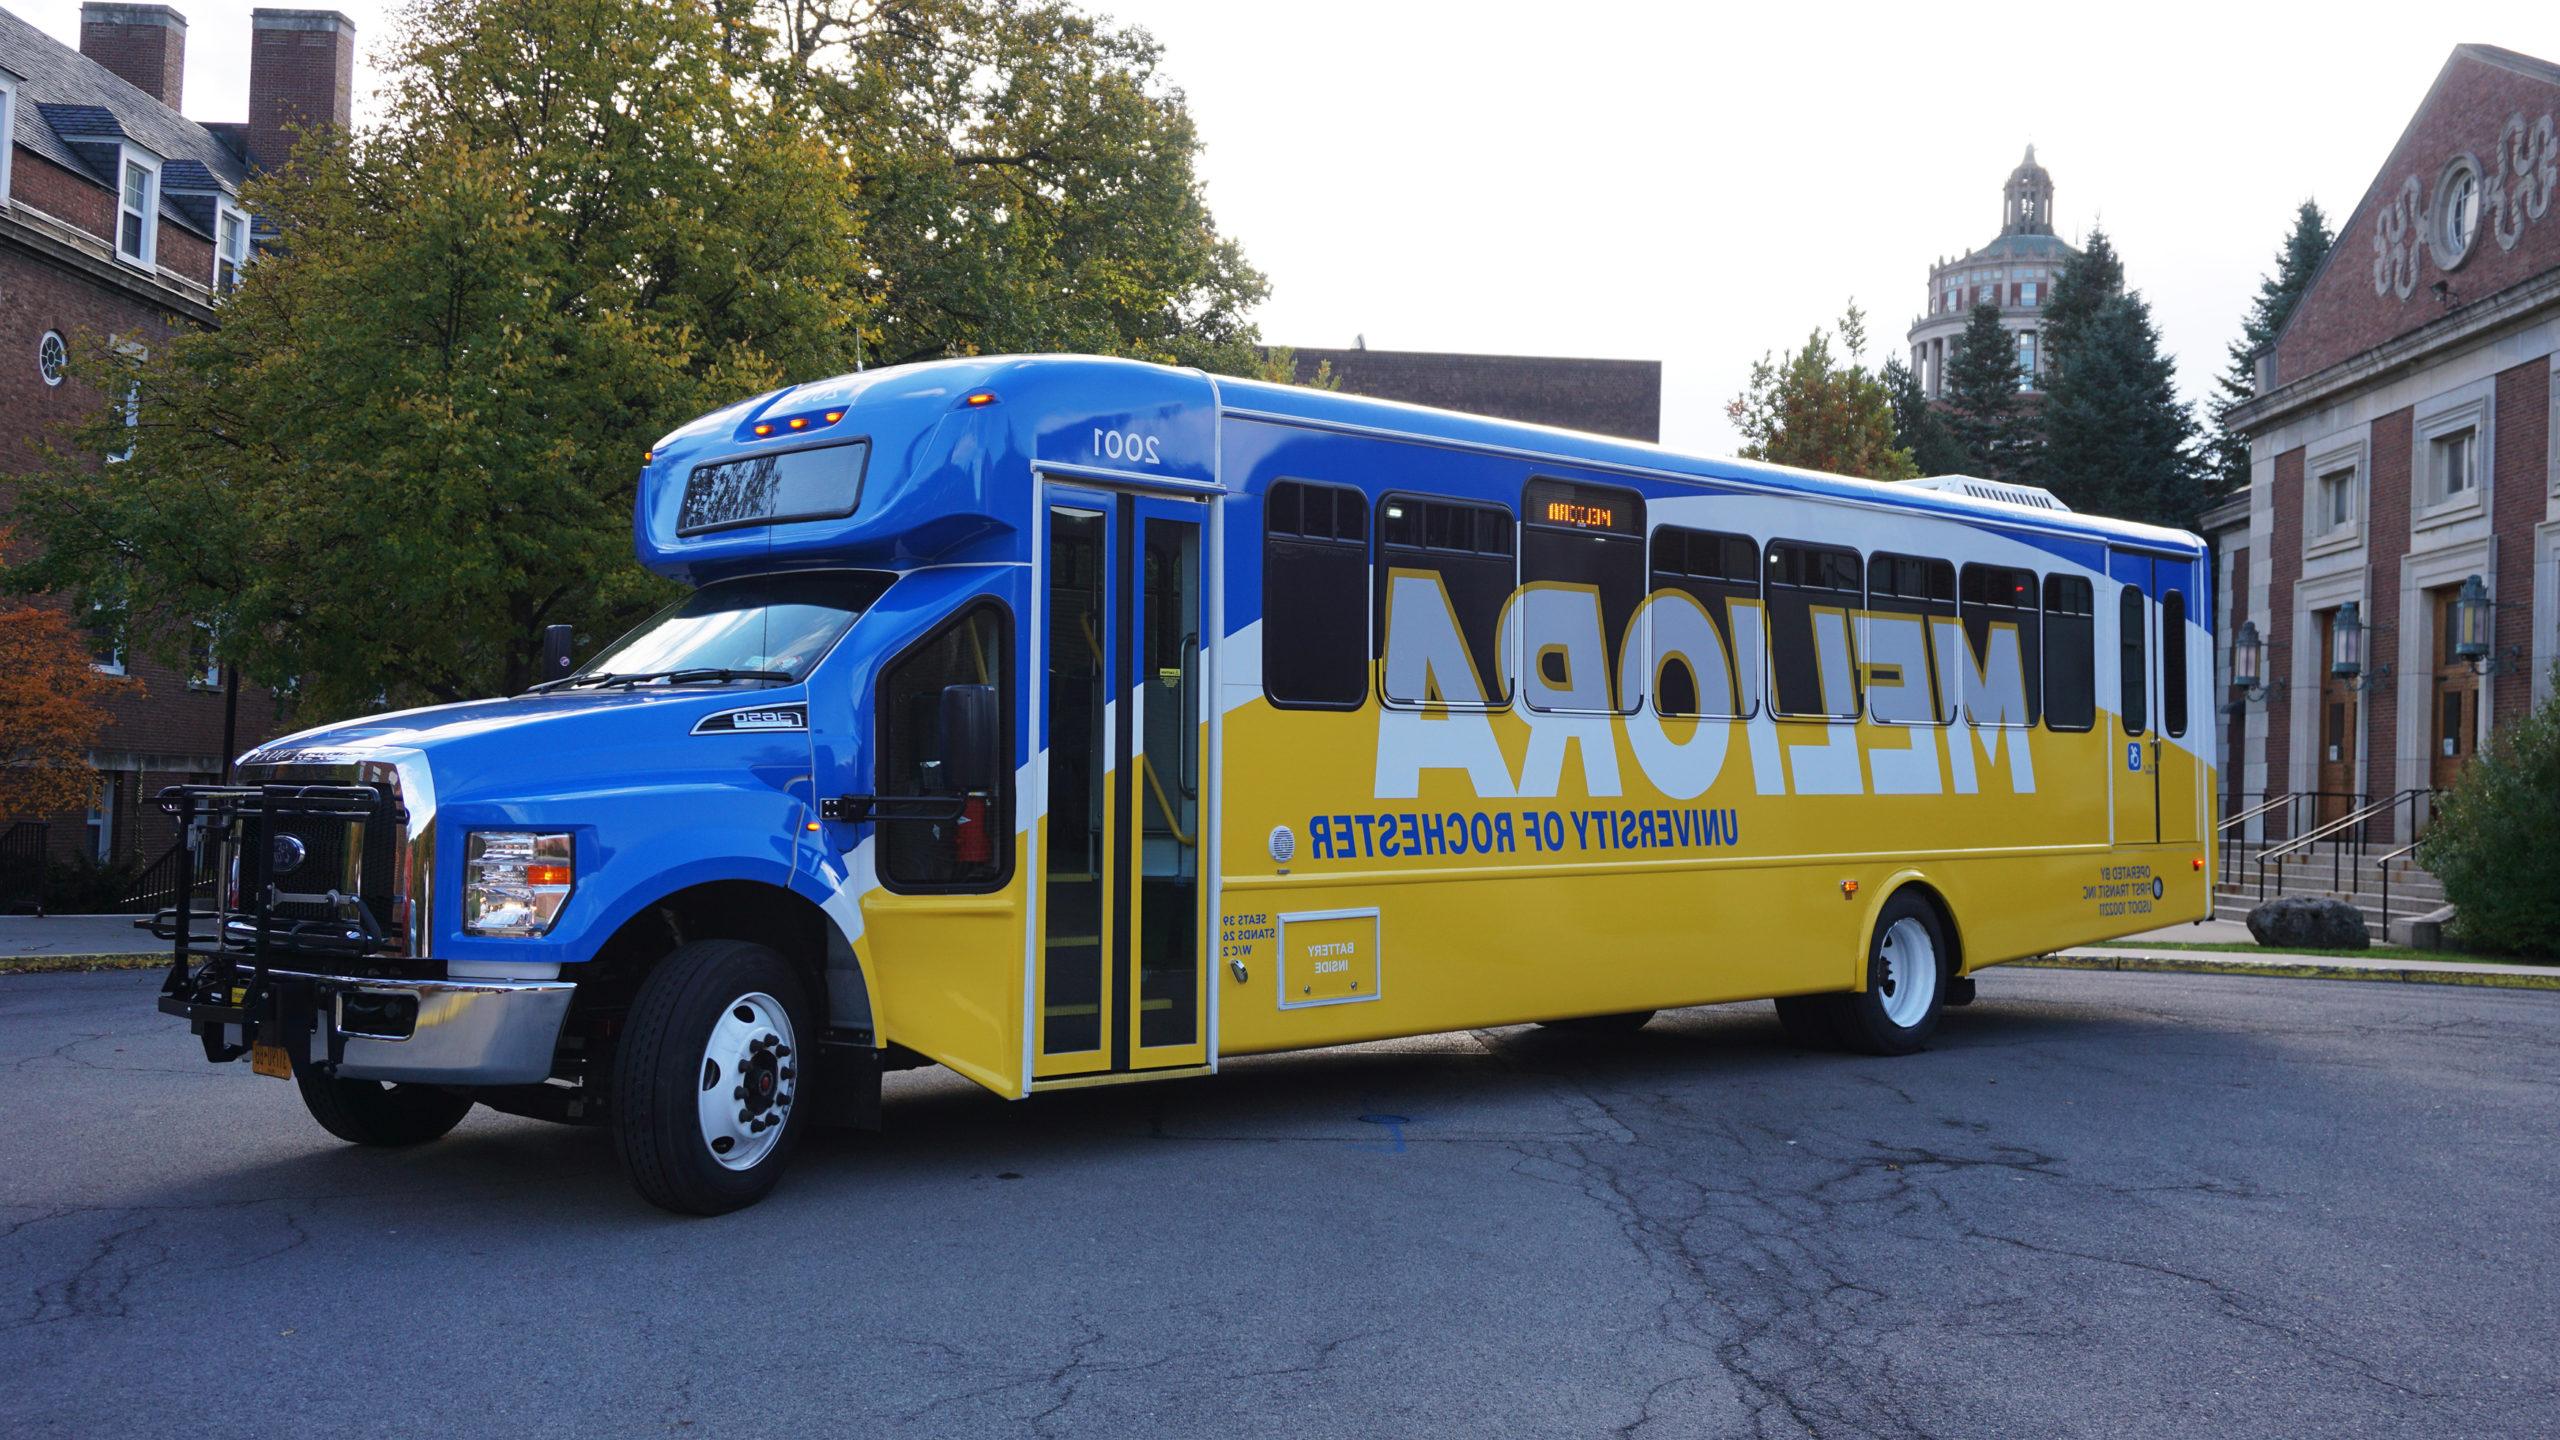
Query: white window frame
point(2318, 536)
point(224, 210)
point(8, 130)
point(148, 256)
point(136, 352)
point(114, 663)
point(2469, 408)
point(101, 819)
point(51, 378)
point(207, 676)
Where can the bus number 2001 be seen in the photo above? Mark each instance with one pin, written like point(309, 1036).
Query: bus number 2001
point(1125, 445)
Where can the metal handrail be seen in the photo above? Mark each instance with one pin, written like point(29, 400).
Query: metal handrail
point(2330, 832)
point(2230, 857)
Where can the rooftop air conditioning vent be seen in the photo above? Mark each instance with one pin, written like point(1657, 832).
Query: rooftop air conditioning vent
point(2034, 497)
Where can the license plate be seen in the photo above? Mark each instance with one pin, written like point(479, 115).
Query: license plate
point(271, 1060)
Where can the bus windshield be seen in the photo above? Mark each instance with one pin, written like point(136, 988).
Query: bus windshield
point(768, 627)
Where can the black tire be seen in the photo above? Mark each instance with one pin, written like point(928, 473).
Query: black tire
point(1812, 1022)
point(1602, 1027)
point(1884, 1018)
point(373, 1112)
point(660, 1076)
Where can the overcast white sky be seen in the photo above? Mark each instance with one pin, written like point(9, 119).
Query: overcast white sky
point(1699, 183)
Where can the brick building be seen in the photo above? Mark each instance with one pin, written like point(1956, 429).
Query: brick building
point(2405, 457)
point(2015, 272)
point(1605, 397)
point(120, 218)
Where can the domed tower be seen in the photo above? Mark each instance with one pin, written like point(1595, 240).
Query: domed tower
point(2015, 272)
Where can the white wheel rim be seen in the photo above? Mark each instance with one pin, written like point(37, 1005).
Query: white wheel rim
point(1910, 979)
point(748, 1076)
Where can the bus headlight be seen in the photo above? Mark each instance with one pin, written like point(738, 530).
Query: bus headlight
point(515, 881)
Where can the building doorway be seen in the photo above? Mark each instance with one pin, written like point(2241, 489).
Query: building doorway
point(2336, 782)
point(2454, 714)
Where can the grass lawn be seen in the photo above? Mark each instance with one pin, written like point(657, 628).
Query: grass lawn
point(2377, 952)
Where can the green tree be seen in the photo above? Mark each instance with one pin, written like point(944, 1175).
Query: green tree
point(1986, 416)
point(2495, 840)
point(2278, 292)
point(1819, 411)
point(2117, 439)
point(1027, 182)
point(1919, 426)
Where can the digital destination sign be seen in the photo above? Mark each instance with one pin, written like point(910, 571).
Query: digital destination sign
point(1563, 505)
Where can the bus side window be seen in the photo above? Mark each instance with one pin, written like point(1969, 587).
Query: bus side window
point(1588, 537)
point(1453, 561)
point(1315, 596)
point(2173, 661)
point(1811, 592)
point(2070, 654)
point(1906, 596)
point(2132, 701)
point(2006, 684)
point(1714, 569)
point(974, 647)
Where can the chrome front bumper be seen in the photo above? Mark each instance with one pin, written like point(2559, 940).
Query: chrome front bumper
point(441, 1032)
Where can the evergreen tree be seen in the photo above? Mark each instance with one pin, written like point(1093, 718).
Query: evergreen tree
point(2088, 280)
point(1919, 426)
point(2278, 292)
point(1820, 412)
point(2117, 439)
point(1988, 420)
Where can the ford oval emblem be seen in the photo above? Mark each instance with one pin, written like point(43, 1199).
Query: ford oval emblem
point(286, 854)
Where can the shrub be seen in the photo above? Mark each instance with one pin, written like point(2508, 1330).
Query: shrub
point(82, 886)
point(2495, 842)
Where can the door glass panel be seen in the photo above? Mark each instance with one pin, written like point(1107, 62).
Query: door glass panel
point(1072, 953)
point(1169, 782)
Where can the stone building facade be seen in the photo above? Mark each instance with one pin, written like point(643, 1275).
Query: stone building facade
point(2015, 271)
point(120, 220)
point(2405, 450)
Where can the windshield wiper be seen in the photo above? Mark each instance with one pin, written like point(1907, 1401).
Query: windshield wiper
point(701, 674)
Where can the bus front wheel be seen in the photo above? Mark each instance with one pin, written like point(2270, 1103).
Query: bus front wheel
point(706, 1076)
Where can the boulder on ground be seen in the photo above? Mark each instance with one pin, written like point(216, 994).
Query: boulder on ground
point(2308, 922)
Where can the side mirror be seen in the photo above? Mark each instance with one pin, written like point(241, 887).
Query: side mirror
point(973, 740)
point(557, 641)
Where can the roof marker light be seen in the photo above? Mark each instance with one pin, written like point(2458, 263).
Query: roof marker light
point(764, 429)
point(834, 415)
point(800, 423)
point(983, 397)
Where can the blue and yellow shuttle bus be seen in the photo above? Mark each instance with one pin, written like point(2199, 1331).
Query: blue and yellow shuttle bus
point(1073, 722)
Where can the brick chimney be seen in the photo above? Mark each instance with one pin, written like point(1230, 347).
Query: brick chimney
point(145, 45)
point(302, 67)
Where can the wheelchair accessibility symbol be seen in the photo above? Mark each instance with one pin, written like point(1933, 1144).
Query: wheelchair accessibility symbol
point(2133, 755)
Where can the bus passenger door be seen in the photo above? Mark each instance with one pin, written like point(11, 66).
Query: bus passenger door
point(1121, 984)
point(2135, 756)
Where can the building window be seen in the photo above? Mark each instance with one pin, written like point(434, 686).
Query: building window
point(8, 131)
point(2027, 292)
point(102, 819)
point(2457, 211)
point(204, 670)
point(53, 357)
point(106, 638)
point(1315, 596)
point(230, 248)
point(138, 211)
point(2333, 504)
point(2452, 460)
point(2026, 359)
point(132, 422)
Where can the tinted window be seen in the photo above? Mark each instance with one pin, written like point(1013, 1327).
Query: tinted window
point(1315, 588)
point(1907, 595)
point(1590, 537)
point(974, 852)
point(2173, 661)
point(1715, 570)
point(1811, 591)
point(2003, 636)
point(820, 484)
point(2131, 701)
point(1431, 548)
point(2070, 654)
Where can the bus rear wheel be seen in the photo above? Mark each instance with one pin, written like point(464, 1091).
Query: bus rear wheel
point(706, 1076)
point(1907, 988)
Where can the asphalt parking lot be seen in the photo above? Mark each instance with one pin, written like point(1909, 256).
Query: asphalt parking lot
point(2099, 1205)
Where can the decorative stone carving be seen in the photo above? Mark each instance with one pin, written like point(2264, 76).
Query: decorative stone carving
point(2399, 234)
point(2519, 191)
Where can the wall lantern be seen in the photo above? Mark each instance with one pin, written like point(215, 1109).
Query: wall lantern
point(2473, 637)
point(2248, 664)
point(2346, 650)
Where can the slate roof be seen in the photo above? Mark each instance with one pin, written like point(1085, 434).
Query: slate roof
point(72, 109)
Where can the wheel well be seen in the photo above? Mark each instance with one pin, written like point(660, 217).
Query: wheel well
point(767, 915)
point(1938, 906)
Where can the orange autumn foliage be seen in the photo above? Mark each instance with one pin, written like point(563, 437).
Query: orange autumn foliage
point(49, 712)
